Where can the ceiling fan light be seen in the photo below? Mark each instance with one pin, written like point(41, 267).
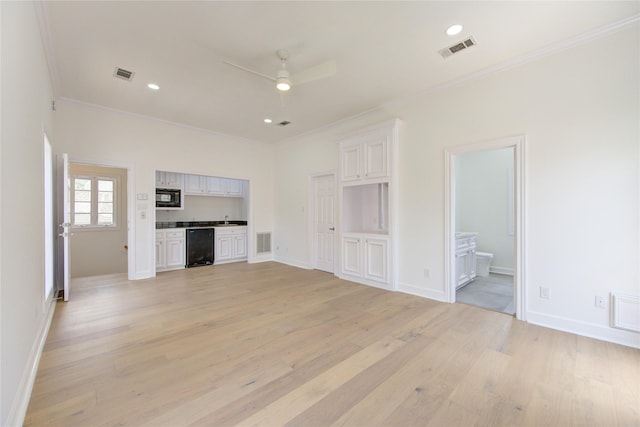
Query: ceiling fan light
point(283, 84)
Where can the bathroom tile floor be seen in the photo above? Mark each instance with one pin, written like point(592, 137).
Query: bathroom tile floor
point(494, 292)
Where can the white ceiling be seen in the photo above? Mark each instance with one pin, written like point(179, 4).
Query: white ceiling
point(385, 51)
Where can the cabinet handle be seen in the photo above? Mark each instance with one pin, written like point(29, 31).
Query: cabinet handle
point(332, 229)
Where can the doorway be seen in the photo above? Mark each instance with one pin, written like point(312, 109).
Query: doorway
point(323, 221)
point(95, 212)
point(496, 233)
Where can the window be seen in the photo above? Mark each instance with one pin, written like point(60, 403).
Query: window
point(93, 201)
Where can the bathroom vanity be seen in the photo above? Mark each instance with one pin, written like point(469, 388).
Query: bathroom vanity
point(465, 258)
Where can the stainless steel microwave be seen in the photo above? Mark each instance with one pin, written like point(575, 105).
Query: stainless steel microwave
point(168, 198)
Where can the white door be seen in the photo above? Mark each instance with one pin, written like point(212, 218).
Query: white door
point(324, 222)
point(375, 256)
point(64, 218)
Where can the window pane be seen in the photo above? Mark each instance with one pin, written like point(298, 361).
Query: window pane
point(82, 219)
point(82, 184)
point(105, 208)
point(82, 207)
point(82, 196)
point(104, 196)
point(105, 219)
point(105, 185)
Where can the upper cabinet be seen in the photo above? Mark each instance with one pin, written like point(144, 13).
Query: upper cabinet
point(171, 180)
point(213, 186)
point(366, 156)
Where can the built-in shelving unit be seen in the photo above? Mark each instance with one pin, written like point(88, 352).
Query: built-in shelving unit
point(367, 207)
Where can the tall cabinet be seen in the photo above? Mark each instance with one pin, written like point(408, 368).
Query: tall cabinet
point(367, 194)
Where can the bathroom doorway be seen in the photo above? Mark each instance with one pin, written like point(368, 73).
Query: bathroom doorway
point(485, 222)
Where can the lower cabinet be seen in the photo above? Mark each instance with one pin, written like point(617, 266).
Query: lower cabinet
point(230, 244)
point(366, 257)
point(465, 259)
point(170, 249)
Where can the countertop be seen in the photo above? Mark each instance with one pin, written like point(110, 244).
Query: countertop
point(197, 224)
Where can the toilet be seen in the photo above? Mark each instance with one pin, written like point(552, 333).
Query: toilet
point(483, 262)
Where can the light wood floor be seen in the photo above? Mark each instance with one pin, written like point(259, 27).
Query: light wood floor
point(272, 345)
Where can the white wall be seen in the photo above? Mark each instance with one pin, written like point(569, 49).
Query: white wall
point(579, 109)
point(482, 202)
point(95, 252)
point(25, 113)
point(102, 136)
point(206, 208)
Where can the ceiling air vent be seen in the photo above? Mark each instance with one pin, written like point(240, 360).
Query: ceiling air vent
point(123, 74)
point(458, 47)
point(284, 123)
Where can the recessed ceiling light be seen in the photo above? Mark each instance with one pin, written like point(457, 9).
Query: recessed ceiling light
point(454, 29)
point(153, 86)
point(268, 120)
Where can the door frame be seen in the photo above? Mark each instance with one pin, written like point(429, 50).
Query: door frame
point(311, 217)
point(518, 143)
point(131, 204)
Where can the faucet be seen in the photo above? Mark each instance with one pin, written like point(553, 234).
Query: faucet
point(226, 220)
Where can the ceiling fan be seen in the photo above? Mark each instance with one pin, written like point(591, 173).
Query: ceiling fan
point(285, 81)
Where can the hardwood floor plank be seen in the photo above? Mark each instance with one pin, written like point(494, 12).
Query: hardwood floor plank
point(269, 344)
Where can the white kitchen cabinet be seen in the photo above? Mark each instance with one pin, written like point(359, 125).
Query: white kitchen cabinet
point(365, 259)
point(365, 157)
point(195, 184)
point(170, 249)
point(465, 258)
point(213, 186)
point(171, 180)
point(230, 244)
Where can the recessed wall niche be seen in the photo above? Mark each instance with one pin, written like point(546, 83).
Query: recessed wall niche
point(366, 208)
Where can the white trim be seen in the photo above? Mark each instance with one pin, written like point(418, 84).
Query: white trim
point(501, 270)
point(438, 295)
point(591, 330)
point(98, 107)
point(25, 387)
point(132, 274)
point(293, 262)
point(42, 14)
point(518, 143)
point(519, 61)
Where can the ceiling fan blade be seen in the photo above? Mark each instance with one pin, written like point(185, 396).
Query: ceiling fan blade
point(320, 71)
point(240, 67)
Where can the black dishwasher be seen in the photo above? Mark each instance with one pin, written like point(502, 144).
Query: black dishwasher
point(199, 246)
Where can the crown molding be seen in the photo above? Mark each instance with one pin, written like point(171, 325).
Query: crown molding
point(97, 107)
point(524, 59)
point(42, 15)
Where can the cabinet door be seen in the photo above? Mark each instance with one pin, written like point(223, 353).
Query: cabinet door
point(375, 158)
point(462, 266)
point(173, 180)
point(160, 254)
point(194, 184)
point(350, 157)
point(376, 260)
point(215, 186)
point(233, 187)
point(240, 246)
point(224, 248)
point(175, 252)
point(351, 256)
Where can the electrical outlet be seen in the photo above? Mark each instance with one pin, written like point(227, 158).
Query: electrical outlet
point(427, 273)
point(600, 302)
point(544, 293)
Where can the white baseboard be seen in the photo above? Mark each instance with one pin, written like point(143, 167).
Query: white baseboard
point(261, 258)
point(437, 295)
point(501, 270)
point(23, 395)
point(293, 262)
point(591, 330)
